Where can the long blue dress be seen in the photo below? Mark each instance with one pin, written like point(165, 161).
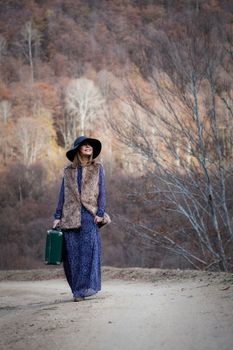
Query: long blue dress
point(82, 247)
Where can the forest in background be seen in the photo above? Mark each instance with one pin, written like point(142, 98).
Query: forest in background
point(147, 78)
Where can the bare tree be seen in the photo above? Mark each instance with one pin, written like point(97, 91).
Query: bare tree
point(33, 138)
point(5, 109)
point(83, 101)
point(179, 136)
point(6, 147)
point(3, 47)
point(106, 80)
point(31, 39)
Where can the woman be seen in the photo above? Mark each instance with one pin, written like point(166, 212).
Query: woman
point(80, 212)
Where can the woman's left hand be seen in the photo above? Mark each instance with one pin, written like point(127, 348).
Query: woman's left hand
point(97, 219)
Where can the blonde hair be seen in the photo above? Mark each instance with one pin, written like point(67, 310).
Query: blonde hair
point(78, 159)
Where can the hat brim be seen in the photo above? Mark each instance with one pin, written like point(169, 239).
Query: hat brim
point(94, 143)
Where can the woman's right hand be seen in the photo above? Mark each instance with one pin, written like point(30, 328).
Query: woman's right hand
point(56, 222)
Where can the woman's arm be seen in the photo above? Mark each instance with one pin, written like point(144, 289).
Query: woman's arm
point(58, 212)
point(102, 194)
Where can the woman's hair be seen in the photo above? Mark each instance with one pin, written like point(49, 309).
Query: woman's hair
point(78, 159)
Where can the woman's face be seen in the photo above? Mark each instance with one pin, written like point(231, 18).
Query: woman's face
point(86, 149)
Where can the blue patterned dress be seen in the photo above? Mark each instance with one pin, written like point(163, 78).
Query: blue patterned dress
point(82, 247)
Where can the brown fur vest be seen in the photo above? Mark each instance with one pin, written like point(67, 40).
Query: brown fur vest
point(71, 213)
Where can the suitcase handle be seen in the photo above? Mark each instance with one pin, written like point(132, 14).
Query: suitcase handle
point(57, 228)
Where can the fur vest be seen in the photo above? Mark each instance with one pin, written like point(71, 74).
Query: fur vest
point(71, 213)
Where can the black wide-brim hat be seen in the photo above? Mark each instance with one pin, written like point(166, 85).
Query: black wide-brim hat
point(94, 143)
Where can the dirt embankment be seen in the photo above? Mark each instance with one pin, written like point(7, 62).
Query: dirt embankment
point(133, 274)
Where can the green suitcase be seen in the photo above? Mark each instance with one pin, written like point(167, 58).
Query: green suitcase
point(53, 247)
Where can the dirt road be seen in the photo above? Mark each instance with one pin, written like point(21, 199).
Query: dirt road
point(138, 315)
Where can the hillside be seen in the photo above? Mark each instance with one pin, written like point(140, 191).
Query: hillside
point(159, 79)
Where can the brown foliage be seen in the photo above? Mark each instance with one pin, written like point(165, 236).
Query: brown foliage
point(4, 92)
point(74, 38)
point(26, 213)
